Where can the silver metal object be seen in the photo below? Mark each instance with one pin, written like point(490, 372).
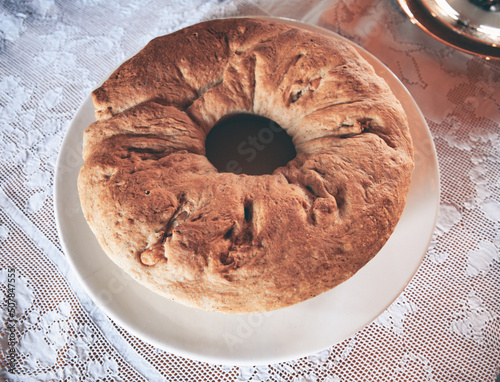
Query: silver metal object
point(472, 26)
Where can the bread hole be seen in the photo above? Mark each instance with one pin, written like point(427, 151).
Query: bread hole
point(147, 192)
point(360, 126)
point(248, 210)
point(248, 144)
point(348, 135)
point(229, 233)
point(364, 123)
point(108, 173)
point(146, 153)
point(196, 218)
point(226, 259)
point(172, 223)
point(340, 199)
point(313, 217)
point(294, 97)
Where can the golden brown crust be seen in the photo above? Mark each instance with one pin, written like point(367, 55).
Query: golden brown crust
point(238, 243)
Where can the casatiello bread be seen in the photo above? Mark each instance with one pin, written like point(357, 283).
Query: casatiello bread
point(243, 243)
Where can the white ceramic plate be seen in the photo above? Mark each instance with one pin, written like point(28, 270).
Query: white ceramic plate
point(253, 339)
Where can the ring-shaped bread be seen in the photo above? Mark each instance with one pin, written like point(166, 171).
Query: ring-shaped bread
point(240, 243)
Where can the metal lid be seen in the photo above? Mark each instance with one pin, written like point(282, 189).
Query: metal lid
point(472, 26)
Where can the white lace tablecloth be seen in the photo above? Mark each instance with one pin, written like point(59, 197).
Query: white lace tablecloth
point(445, 326)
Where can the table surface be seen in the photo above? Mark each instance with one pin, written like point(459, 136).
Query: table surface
point(444, 326)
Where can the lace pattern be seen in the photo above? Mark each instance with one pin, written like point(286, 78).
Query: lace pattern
point(444, 326)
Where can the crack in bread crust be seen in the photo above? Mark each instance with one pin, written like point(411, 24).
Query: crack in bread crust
point(239, 243)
